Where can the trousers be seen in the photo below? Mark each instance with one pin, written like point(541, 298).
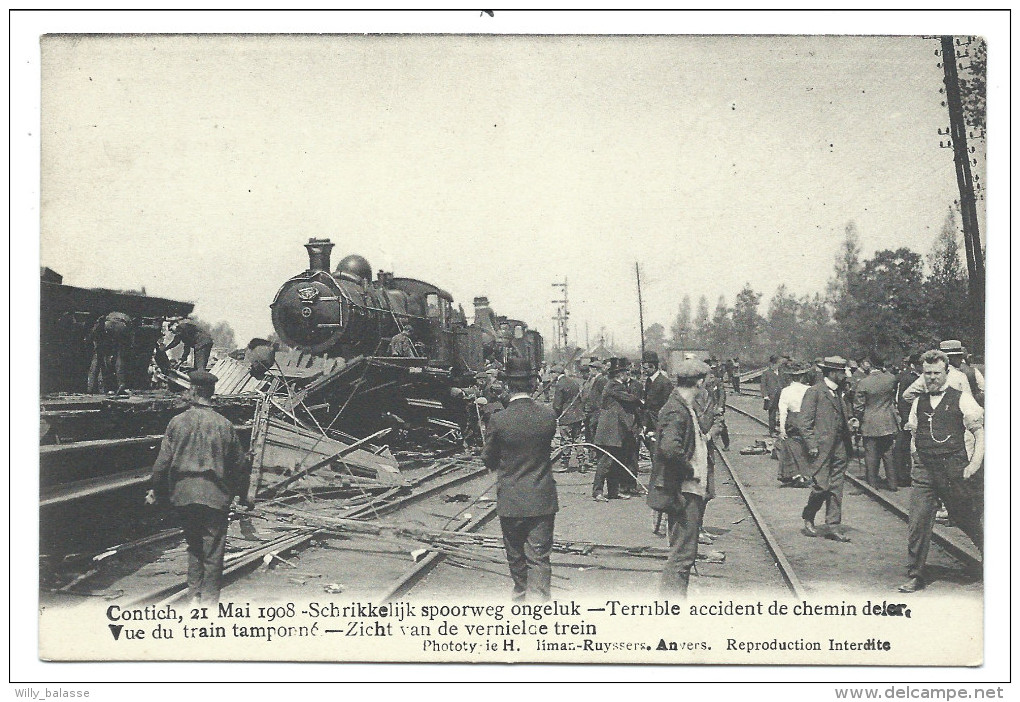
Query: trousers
point(528, 542)
point(683, 528)
point(571, 434)
point(827, 488)
point(607, 471)
point(205, 530)
point(202, 356)
point(901, 457)
point(941, 478)
point(878, 450)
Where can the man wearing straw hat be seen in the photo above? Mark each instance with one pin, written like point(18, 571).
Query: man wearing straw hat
point(827, 427)
point(518, 443)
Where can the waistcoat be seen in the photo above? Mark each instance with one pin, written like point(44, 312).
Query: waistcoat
point(940, 430)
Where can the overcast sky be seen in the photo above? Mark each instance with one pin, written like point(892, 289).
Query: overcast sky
point(198, 166)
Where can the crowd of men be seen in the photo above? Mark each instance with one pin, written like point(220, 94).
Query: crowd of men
point(615, 407)
point(921, 421)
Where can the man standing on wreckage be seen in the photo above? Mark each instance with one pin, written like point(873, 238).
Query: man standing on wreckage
point(518, 444)
point(200, 469)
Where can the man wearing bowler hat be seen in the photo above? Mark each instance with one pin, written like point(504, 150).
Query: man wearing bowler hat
point(827, 426)
point(615, 433)
point(518, 443)
point(200, 469)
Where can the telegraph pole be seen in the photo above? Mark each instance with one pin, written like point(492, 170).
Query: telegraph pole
point(640, 309)
point(968, 208)
point(562, 317)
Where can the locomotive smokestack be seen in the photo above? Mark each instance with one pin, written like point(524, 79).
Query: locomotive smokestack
point(318, 254)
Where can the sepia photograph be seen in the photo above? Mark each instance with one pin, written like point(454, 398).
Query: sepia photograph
point(505, 346)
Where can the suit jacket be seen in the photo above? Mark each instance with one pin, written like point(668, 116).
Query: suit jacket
point(567, 400)
point(518, 442)
point(875, 404)
point(656, 393)
point(770, 385)
point(674, 450)
point(617, 415)
point(821, 427)
point(905, 379)
point(592, 394)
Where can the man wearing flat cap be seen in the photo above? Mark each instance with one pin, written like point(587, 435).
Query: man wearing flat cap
point(193, 338)
point(827, 426)
point(518, 444)
point(682, 478)
point(200, 469)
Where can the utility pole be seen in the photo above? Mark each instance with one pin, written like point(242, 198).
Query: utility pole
point(562, 317)
point(968, 208)
point(640, 308)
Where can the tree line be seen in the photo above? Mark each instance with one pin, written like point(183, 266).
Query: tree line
point(886, 306)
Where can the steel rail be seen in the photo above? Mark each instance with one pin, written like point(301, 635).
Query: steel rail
point(415, 575)
point(785, 567)
point(939, 535)
point(250, 557)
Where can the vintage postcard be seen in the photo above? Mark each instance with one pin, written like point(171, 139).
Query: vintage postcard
point(564, 348)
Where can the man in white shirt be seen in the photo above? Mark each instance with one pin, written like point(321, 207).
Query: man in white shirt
point(945, 468)
point(957, 379)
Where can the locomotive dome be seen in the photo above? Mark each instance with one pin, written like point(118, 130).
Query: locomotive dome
point(355, 265)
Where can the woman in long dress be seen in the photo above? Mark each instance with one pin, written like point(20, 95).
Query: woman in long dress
point(794, 463)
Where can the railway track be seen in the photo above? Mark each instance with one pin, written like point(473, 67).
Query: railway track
point(876, 524)
point(332, 543)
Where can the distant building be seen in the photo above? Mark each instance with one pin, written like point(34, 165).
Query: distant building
point(674, 355)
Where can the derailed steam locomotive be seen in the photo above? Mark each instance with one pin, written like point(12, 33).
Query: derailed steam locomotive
point(339, 325)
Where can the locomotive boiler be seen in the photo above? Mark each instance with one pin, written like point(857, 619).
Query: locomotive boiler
point(333, 320)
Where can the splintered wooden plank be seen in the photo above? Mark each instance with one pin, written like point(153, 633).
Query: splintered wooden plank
point(259, 433)
point(289, 446)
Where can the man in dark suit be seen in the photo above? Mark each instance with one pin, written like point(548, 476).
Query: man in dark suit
point(901, 450)
point(569, 413)
point(875, 407)
point(826, 426)
point(591, 400)
point(518, 442)
point(770, 389)
point(615, 433)
point(200, 469)
point(658, 386)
